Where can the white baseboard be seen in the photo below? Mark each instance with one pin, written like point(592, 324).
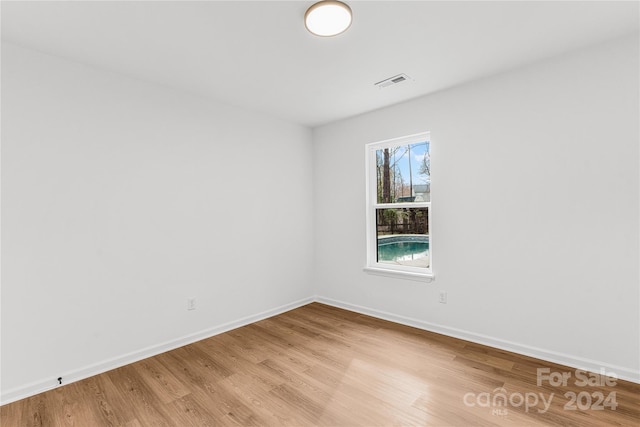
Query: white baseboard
point(88, 371)
point(538, 353)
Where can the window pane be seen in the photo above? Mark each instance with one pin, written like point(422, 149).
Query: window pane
point(403, 236)
point(403, 173)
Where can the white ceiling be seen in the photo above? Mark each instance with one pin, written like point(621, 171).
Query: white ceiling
point(258, 55)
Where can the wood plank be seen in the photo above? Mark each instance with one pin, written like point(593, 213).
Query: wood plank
point(164, 385)
point(322, 366)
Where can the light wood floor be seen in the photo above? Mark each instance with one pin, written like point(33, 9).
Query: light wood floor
point(322, 366)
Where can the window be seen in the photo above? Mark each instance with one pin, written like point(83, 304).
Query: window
point(399, 207)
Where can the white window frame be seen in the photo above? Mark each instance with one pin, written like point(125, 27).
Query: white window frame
point(373, 266)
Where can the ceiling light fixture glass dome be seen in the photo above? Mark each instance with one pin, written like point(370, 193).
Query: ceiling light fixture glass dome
point(328, 18)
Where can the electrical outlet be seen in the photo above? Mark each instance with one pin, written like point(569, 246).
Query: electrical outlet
point(191, 303)
point(442, 297)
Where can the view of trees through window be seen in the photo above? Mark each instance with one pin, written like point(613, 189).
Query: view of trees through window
point(403, 175)
point(403, 193)
point(399, 168)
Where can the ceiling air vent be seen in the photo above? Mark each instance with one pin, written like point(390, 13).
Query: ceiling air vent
point(392, 80)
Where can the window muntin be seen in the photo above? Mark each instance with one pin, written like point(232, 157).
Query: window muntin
point(399, 205)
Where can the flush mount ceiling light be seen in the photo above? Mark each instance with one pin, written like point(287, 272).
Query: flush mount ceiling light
point(328, 18)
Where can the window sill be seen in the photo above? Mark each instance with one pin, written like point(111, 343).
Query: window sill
point(407, 275)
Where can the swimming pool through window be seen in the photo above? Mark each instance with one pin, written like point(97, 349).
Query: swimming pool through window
point(399, 206)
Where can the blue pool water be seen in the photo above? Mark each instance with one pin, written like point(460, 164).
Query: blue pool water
point(403, 248)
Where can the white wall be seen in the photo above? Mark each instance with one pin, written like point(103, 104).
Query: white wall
point(120, 199)
point(535, 210)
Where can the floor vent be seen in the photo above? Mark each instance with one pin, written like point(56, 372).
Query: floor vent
point(392, 80)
